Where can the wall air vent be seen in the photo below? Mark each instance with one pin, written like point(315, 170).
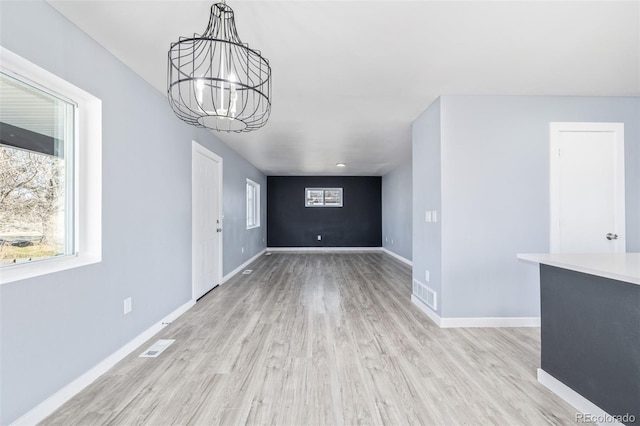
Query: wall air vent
point(430, 298)
point(424, 293)
point(247, 271)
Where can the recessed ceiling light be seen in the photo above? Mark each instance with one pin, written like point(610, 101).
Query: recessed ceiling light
point(341, 165)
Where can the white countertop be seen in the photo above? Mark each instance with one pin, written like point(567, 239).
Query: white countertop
point(617, 266)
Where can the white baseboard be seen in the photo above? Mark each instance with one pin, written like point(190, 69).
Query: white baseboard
point(491, 322)
point(55, 401)
point(330, 249)
point(241, 267)
point(397, 256)
point(321, 249)
point(573, 398)
point(433, 316)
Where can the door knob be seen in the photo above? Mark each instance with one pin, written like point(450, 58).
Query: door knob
point(611, 236)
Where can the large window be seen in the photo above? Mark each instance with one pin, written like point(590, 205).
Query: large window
point(50, 172)
point(253, 204)
point(323, 197)
point(36, 172)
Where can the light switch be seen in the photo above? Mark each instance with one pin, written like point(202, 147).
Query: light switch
point(434, 216)
point(427, 216)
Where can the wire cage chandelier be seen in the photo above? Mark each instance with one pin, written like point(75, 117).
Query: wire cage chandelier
point(216, 81)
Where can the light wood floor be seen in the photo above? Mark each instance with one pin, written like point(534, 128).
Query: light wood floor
point(323, 339)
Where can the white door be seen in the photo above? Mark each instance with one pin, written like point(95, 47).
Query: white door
point(206, 219)
point(587, 188)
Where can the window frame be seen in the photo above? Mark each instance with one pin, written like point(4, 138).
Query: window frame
point(87, 172)
point(255, 187)
point(324, 191)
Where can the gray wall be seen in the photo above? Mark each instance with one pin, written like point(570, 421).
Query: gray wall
point(495, 197)
point(427, 196)
point(76, 315)
point(396, 210)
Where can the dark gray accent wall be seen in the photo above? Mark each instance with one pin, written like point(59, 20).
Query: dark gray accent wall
point(358, 223)
point(77, 315)
point(591, 337)
point(396, 210)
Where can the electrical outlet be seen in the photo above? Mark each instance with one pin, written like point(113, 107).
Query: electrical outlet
point(242, 249)
point(392, 241)
point(426, 275)
point(319, 237)
point(128, 305)
point(386, 239)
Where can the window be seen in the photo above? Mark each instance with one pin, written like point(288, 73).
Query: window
point(253, 204)
point(47, 221)
point(36, 172)
point(323, 197)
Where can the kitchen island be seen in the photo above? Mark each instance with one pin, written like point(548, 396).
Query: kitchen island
point(590, 332)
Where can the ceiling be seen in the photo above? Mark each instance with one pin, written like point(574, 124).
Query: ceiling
point(349, 77)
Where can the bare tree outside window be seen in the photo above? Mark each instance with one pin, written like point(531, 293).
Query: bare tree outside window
point(36, 188)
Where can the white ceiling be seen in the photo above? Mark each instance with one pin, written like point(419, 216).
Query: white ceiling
point(349, 77)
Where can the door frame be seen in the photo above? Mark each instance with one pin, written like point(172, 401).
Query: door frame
point(197, 149)
point(555, 129)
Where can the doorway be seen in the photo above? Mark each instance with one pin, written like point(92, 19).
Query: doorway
point(587, 188)
point(206, 220)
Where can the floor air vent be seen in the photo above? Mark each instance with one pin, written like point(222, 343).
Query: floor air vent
point(157, 348)
point(247, 271)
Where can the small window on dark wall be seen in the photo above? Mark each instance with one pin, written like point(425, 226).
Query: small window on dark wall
point(323, 197)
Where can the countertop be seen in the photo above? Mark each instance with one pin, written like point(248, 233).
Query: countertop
point(616, 266)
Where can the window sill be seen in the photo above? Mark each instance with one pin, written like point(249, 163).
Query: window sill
point(23, 271)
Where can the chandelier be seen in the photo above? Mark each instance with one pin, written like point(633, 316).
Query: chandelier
point(216, 81)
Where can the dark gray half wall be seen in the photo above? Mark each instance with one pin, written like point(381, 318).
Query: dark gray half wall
point(77, 315)
point(591, 337)
point(357, 224)
point(396, 210)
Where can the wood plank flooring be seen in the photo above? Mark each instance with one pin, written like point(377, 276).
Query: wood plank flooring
point(322, 339)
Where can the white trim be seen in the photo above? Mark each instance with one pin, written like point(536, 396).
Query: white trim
point(573, 398)
point(489, 322)
point(88, 176)
point(397, 256)
point(324, 249)
point(55, 401)
point(433, 316)
point(492, 322)
point(242, 267)
point(197, 148)
point(555, 129)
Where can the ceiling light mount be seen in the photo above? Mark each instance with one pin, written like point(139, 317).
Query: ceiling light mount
point(216, 81)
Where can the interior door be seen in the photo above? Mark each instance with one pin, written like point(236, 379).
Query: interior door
point(587, 188)
point(206, 220)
